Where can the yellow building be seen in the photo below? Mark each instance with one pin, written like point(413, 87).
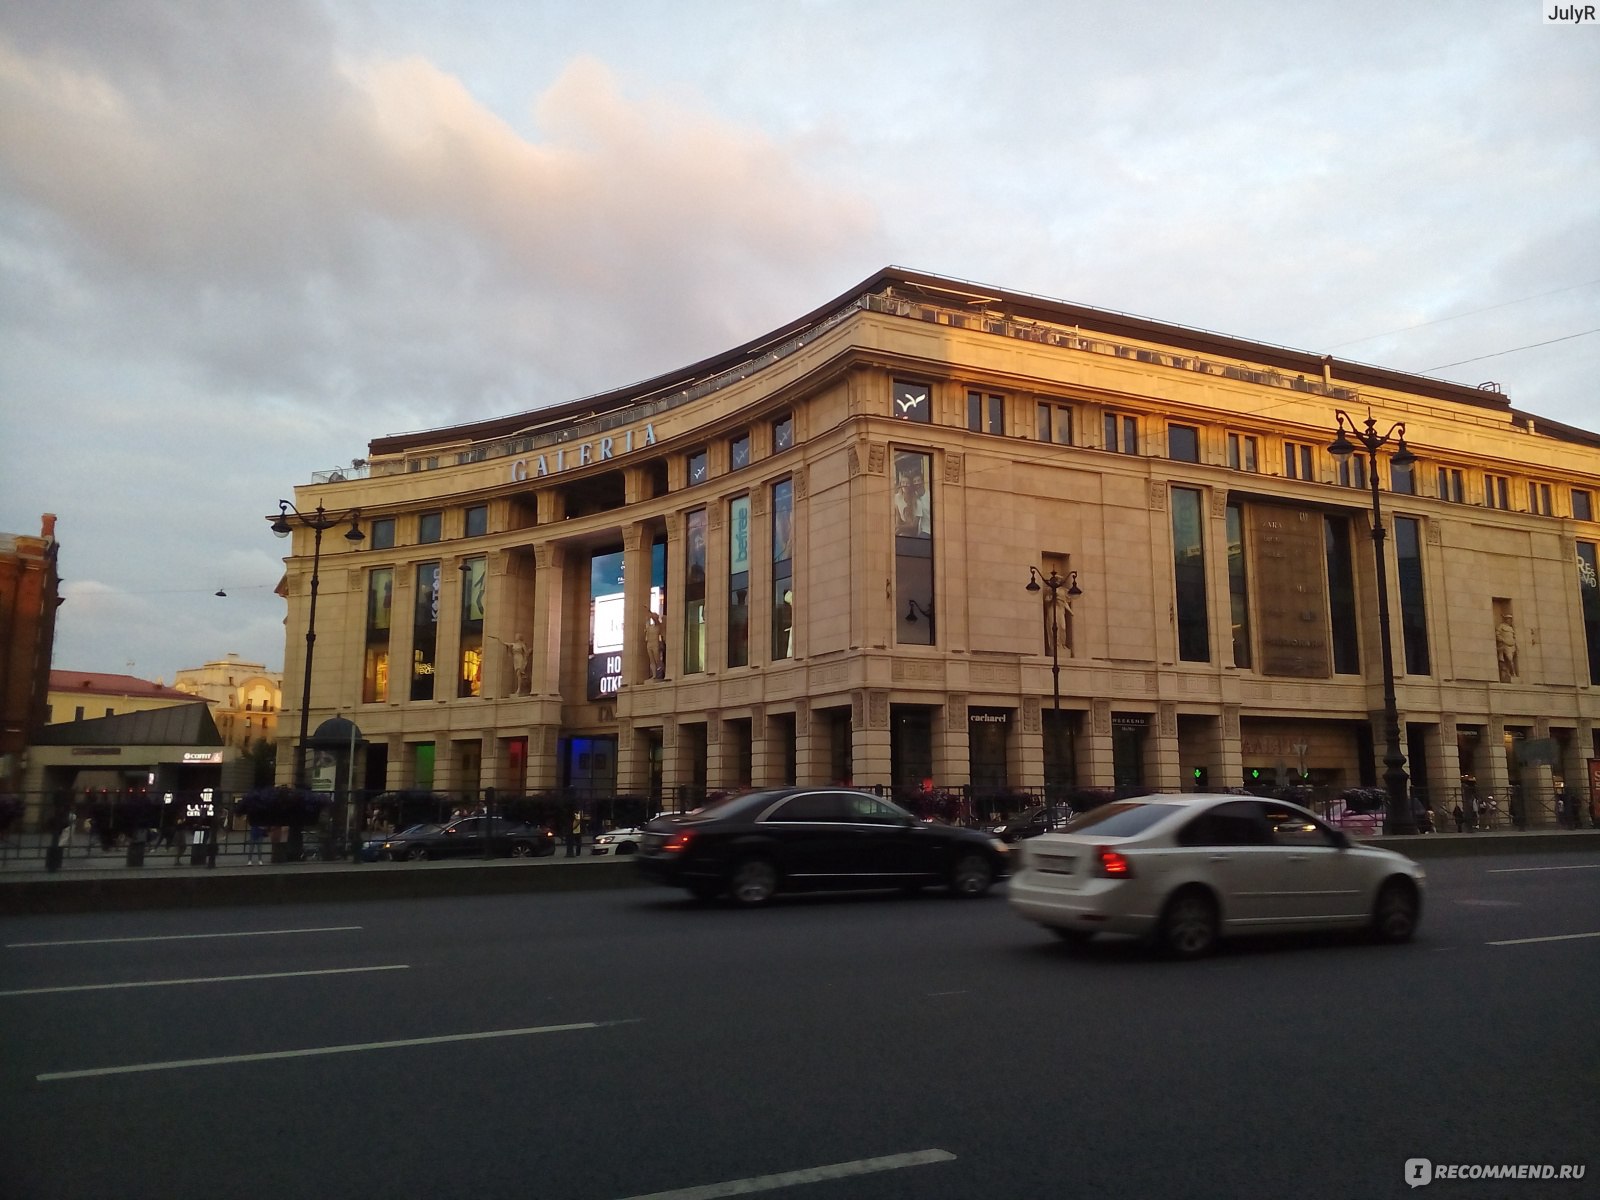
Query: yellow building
point(805, 559)
point(245, 698)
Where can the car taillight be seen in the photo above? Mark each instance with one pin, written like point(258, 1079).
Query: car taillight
point(677, 842)
point(1108, 864)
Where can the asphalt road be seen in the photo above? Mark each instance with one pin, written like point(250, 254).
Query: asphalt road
point(620, 1044)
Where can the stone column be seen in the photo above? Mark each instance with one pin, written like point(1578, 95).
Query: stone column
point(1096, 765)
point(1032, 713)
point(1163, 765)
point(1227, 767)
point(952, 744)
point(1443, 756)
point(1494, 778)
point(810, 747)
point(549, 595)
point(869, 736)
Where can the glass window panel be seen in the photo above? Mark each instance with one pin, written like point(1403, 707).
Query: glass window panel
point(694, 617)
point(477, 522)
point(430, 527)
point(1189, 567)
point(912, 401)
point(1183, 443)
point(1413, 609)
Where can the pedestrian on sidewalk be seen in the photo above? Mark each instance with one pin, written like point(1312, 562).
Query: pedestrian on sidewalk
point(258, 834)
point(1461, 817)
point(575, 835)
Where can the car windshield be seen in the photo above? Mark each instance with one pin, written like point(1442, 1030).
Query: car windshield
point(1119, 820)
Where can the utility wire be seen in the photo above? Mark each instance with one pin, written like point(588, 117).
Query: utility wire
point(1513, 350)
point(1471, 313)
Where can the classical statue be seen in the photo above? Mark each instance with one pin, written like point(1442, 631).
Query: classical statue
point(1505, 645)
point(521, 678)
point(655, 644)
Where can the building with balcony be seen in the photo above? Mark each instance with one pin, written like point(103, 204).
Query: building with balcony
point(805, 560)
point(245, 698)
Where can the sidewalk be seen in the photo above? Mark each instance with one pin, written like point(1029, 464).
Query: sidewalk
point(103, 880)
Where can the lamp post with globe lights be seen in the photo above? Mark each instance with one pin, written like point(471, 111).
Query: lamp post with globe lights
point(1399, 819)
point(318, 520)
point(1051, 589)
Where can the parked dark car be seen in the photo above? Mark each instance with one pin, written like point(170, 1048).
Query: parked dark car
point(794, 839)
point(466, 836)
point(1027, 825)
point(374, 847)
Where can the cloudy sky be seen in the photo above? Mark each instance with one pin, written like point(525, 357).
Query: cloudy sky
point(238, 240)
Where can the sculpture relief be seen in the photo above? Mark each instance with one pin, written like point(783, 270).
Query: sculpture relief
point(1505, 641)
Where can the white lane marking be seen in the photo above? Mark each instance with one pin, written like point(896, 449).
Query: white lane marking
point(100, 987)
point(315, 1051)
point(961, 992)
point(184, 937)
point(767, 1183)
point(1559, 937)
point(1523, 870)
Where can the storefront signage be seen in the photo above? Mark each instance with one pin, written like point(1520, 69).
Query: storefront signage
point(605, 675)
point(202, 756)
point(988, 718)
point(1286, 557)
point(563, 458)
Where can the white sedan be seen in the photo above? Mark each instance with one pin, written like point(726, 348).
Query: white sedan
point(617, 841)
point(1186, 870)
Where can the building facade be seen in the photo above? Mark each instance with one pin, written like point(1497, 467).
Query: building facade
point(30, 593)
point(245, 698)
point(806, 560)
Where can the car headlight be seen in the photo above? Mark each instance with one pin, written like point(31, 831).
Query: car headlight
point(1001, 829)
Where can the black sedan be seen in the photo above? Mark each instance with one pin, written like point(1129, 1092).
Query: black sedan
point(795, 839)
point(1031, 824)
point(466, 836)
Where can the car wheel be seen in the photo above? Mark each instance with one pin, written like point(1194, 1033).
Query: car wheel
point(753, 881)
point(626, 848)
point(1188, 925)
point(420, 853)
point(971, 877)
point(705, 889)
point(521, 849)
point(1394, 916)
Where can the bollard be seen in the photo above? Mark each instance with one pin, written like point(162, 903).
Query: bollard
point(53, 854)
point(136, 851)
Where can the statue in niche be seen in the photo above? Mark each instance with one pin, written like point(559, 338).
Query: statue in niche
point(1505, 647)
point(655, 644)
point(1058, 624)
point(521, 674)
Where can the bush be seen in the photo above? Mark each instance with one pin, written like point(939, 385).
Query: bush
point(1364, 799)
point(295, 807)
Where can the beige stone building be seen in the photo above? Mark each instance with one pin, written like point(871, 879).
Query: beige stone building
point(805, 559)
point(245, 698)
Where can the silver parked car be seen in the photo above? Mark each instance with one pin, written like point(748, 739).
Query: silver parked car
point(1186, 870)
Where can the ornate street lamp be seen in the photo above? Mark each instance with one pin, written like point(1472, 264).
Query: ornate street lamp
point(1394, 774)
point(288, 517)
point(1050, 588)
point(913, 608)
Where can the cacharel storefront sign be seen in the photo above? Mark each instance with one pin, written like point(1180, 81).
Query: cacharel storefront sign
point(581, 454)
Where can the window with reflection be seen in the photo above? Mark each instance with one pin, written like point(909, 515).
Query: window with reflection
point(739, 581)
point(424, 631)
point(1342, 596)
point(380, 617)
point(1189, 575)
point(474, 579)
point(1413, 607)
point(913, 548)
point(694, 592)
point(1238, 587)
point(782, 570)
